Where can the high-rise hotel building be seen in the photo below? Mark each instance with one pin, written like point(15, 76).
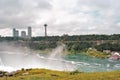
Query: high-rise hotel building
point(15, 33)
point(29, 32)
point(23, 33)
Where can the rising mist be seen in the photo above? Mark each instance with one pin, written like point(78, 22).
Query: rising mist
point(14, 57)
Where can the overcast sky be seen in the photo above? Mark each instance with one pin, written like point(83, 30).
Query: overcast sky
point(73, 17)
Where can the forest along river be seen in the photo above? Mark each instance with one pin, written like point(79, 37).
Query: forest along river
point(10, 61)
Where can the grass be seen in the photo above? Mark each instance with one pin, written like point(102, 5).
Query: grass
point(43, 74)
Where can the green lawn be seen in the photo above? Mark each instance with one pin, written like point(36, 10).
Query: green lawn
point(43, 74)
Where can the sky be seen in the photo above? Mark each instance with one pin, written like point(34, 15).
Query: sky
point(72, 17)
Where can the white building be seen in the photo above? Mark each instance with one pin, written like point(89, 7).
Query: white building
point(29, 32)
point(15, 33)
point(23, 34)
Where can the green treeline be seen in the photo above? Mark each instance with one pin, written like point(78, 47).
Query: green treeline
point(43, 45)
point(78, 38)
point(75, 43)
point(78, 43)
point(108, 46)
point(67, 38)
point(76, 47)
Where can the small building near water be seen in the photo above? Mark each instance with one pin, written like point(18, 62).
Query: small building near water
point(115, 56)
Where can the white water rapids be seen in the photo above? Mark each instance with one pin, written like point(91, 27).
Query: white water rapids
point(14, 57)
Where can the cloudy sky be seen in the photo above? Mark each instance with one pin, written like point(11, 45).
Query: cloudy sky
point(73, 17)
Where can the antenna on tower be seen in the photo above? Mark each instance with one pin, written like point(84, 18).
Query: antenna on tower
point(45, 25)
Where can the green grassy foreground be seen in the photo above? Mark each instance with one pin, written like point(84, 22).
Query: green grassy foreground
point(43, 74)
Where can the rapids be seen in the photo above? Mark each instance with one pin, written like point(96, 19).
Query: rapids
point(14, 58)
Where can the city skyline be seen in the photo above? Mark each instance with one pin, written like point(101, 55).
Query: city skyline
point(72, 17)
point(24, 34)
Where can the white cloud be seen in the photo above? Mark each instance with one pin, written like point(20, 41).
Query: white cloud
point(62, 16)
point(6, 31)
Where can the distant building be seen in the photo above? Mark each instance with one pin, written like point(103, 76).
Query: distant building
point(29, 32)
point(107, 51)
point(115, 56)
point(23, 34)
point(15, 33)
